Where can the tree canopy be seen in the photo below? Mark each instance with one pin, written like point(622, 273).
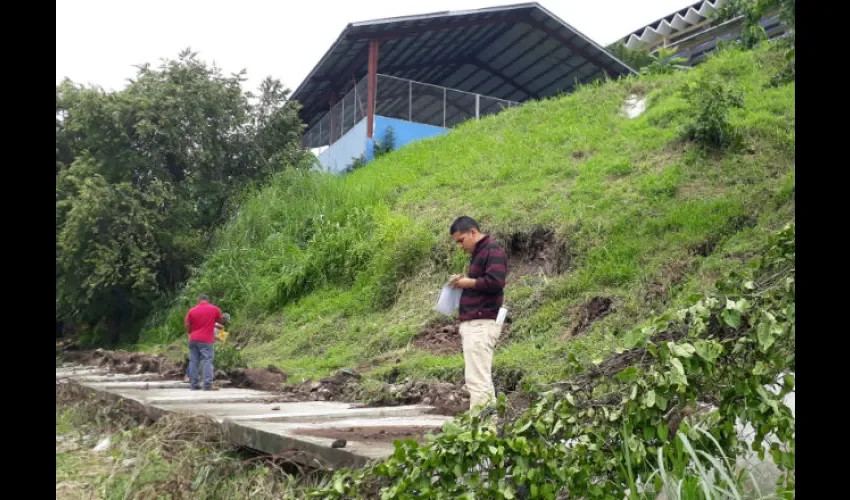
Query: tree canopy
point(144, 176)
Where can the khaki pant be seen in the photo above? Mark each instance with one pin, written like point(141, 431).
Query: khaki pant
point(479, 338)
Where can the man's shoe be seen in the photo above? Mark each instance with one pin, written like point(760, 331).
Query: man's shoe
point(211, 388)
point(194, 388)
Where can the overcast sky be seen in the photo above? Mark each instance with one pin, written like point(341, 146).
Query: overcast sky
point(99, 41)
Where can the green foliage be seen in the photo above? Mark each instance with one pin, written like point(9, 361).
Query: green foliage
point(635, 58)
point(386, 144)
point(752, 11)
point(616, 424)
point(752, 33)
point(356, 163)
point(663, 62)
point(228, 357)
point(145, 175)
point(711, 100)
point(381, 148)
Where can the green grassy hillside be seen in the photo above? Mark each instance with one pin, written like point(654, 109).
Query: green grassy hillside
point(323, 272)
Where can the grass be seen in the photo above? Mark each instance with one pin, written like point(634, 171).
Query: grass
point(700, 475)
point(322, 273)
point(177, 457)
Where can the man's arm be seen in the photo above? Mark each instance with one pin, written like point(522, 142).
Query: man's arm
point(495, 271)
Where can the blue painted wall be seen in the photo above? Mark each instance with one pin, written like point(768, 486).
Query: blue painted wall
point(405, 132)
point(354, 143)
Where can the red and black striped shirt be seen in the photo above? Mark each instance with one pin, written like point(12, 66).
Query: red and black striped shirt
point(488, 266)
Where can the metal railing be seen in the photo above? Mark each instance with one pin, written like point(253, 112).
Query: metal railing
point(341, 118)
point(403, 99)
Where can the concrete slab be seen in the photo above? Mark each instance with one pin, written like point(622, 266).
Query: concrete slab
point(185, 396)
point(288, 412)
point(300, 415)
point(294, 439)
point(142, 385)
point(303, 449)
point(301, 431)
point(66, 373)
point(250, 410)
point(117, 377)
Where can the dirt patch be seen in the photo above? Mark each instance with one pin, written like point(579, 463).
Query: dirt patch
point(592, 310)
point(439, 339)
point(257, 378)
point(371, 434)
point(507, 380)
point(705, 248)
point(658, 290)
point(341, 386)
point(268, 379)
point(132, 363)
point(518, 403)
point(446, 398)
point(442, 339)
point(534, 252)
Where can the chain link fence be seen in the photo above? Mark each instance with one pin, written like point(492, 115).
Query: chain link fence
point(402, 99)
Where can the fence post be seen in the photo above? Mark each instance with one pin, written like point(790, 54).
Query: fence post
point(477, 106)
point(444, 107)
point(410, 100)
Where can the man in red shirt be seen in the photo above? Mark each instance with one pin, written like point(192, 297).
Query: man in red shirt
point(200, 326)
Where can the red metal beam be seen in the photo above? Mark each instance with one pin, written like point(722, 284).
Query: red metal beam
point(371, 87)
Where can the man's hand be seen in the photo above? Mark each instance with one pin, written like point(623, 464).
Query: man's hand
point(459, 281)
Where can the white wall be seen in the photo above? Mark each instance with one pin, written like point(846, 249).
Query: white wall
point(342, 153)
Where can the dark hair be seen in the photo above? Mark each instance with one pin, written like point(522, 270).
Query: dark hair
point(463, 224)
point(202, 297)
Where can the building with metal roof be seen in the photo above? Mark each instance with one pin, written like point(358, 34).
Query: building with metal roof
point(423, 74)
point(693, 32)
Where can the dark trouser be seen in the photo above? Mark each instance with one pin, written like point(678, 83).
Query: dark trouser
point(203, 352)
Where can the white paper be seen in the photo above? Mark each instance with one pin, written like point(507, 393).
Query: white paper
point(500, 319)
point(449, 301)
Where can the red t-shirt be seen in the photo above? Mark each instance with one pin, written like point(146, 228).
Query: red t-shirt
point(201, 319)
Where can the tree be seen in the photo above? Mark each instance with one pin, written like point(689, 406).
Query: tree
point(145, 175)
point(752, 12)
point(635, 58)
point(752, 33)
point(664, 62)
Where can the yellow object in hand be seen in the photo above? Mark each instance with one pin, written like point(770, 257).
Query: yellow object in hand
point(222, 336)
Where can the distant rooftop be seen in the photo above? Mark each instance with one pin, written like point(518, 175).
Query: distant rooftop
point(674, 23)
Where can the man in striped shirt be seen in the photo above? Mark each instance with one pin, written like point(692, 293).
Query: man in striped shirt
point(481, 299)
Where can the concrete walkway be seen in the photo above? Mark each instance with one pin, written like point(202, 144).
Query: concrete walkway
point(302, 431)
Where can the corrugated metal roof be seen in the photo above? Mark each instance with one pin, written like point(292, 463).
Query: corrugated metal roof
point(515, 52)
point(673, 23)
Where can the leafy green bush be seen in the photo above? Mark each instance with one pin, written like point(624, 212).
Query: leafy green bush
point(710, 101)
point(228, 357)
point(663, 62)
point(382, 147)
